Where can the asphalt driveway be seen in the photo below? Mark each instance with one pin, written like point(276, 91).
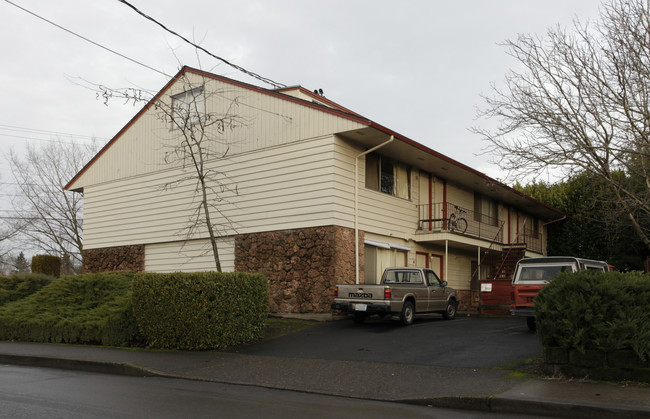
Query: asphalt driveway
point(470, 342)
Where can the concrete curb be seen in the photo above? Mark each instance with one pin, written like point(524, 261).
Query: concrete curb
point(567, 410)
point(103, 367)
point(489, 403)
point(497, 404)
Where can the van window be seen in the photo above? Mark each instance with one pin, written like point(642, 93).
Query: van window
point(542, 273)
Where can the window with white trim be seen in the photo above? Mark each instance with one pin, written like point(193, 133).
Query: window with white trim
point(388, 176)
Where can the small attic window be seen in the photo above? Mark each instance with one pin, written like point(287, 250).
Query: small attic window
point(188, 108)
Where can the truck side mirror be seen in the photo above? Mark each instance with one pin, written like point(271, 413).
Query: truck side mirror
point(443, 284)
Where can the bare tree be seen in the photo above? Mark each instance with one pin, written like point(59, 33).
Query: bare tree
point(578, 102)
point(10, 227)
point(197, 142)
point(51, 217)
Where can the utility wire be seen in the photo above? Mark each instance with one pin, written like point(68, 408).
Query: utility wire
point(22, 137)
point(35, 131)
point(235, 66)
point(88, 40)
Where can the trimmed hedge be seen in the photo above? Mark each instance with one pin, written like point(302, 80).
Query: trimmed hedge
point(17, 286)
point(89, 308)
point(205, 310)
point(201, 310)
point(603, 311)
point(46, 264)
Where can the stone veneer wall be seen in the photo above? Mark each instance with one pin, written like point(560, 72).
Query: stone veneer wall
point(120, 258)
point(302, 265)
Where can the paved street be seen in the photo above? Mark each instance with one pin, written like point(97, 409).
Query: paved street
point(27, 392)
point(339, 364)
point(468, 342)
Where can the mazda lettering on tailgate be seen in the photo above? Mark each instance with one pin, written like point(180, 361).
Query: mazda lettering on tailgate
point(360, 295)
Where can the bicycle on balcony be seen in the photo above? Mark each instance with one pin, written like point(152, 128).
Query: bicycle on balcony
point(456, 221)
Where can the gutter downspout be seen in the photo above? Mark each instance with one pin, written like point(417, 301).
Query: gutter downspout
point(356, 204)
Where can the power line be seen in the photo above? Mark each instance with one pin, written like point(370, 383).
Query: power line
point(24, 183)
point(88, 40)
point(235, 66)
point(21, 137)
point(25, 219)
point(36, 131)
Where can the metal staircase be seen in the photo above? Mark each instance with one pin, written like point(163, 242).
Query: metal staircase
point(495, 293)
point(511, 253)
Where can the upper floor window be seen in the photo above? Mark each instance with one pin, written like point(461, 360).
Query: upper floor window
point(388, 176)
point(485, 210)
point(188, 108)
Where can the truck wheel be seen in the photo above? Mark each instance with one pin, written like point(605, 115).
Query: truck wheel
point(532, 325)
point(450, 312)
point(408, 313)
point(359, 318)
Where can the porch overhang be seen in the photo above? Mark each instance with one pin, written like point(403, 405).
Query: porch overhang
point(454, 240)
point(440, 166)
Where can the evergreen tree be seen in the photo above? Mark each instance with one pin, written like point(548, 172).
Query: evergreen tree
point(20, 264)
point(594, 228)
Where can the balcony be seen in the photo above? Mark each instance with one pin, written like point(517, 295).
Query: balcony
point(450, 218)
point(532, 239)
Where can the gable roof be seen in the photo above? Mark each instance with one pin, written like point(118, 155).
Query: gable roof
point(452, 168)
point(317, 102)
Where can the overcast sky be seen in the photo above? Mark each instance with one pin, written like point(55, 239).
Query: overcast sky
point(416, 67)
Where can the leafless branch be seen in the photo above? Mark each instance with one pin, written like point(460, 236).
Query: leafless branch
point(579, 103)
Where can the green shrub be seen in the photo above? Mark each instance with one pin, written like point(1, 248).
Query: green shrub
point(201, 310)
point(89, 308)
point(595, 310)
point(17, 286)
point(46, 264)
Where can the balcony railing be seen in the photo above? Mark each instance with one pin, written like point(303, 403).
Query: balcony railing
point(532, 239)
point(439, 217)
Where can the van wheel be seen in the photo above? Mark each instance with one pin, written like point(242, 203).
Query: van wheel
point(532, 325)
point(450, 312)
point(408, 313)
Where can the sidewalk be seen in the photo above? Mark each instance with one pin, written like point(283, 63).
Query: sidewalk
point(461, 388)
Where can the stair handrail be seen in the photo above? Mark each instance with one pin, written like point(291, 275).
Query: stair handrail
point(492, 243)
point(503, 261)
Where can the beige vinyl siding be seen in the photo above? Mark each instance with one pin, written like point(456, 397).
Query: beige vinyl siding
point(265, 121)
point(459, 270)
point(460, 196)
point(387, 215)
point(303, 185)
point(190, 256)
point(423, 187)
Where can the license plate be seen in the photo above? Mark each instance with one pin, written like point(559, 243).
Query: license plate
point(360, 307)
